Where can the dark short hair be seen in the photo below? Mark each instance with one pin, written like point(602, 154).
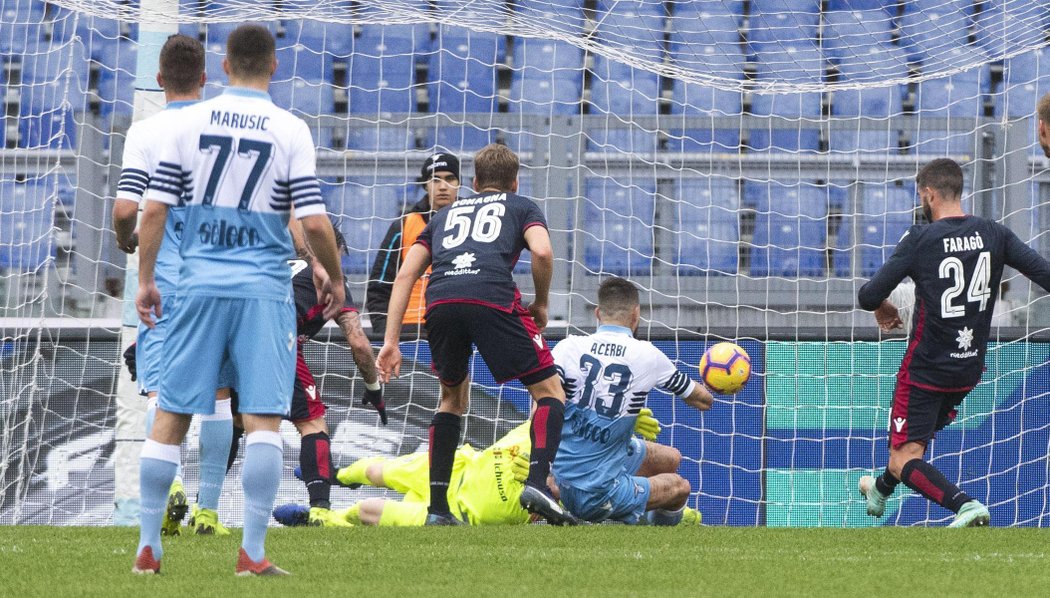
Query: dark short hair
point(617, 296)
point(181, 64)
point(495, 166)
point(942, 175)
point(250, 51)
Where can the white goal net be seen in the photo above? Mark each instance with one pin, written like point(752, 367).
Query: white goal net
point(748, 163)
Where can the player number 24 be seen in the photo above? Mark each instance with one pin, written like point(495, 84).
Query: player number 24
point(483, 226)
point(980, 285)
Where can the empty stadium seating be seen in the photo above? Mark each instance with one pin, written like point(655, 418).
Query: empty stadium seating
point(787, 22)
point(795, 64)
point(382, 84)
point(790, 228)
point(364, 208)
point(26, 215)
point(619, 92)
point(307, 99)
point(462, 79)
point(707, 211)
point(954, 96)
point(619, 232)
point(847, 31)
point(886, 211)
point(872, 105)
point(1005, 26)
point(932, 31)
point(547, 79)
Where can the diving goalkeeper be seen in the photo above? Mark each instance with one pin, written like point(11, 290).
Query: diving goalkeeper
point(485, 484)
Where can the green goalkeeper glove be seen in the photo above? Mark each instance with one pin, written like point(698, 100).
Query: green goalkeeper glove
point(647, 426)
point(519, 467)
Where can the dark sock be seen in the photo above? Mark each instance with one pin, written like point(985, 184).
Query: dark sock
point(315, 462)
point(886, 483)
point(925, 479)
point(444, 436)
point(545, 434)
point(235, 446)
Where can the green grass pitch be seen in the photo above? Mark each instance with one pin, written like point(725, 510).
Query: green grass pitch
point(540, 561)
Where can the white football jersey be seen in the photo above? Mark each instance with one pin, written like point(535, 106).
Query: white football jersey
point(141, 156)
point(607, 378)
point(238, 164)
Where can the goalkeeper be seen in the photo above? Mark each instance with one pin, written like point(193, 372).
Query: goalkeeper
point(485, 485)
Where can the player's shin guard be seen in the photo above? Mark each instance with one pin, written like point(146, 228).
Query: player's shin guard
point(260, 478)
point(235, 447)
point(886, 483)
point(157, 467)
point(315, 462)
point(545, 434)
point(928, 481)
point(215, 438)
point(444, 436)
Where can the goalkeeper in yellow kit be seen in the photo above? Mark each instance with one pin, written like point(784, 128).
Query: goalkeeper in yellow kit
point(484, 488)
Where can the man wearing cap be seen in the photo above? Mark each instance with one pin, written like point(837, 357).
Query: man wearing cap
point(440, 179)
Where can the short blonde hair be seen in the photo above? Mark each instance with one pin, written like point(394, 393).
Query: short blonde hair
point(495, 166)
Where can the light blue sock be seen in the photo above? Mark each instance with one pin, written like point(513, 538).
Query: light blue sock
point(260, 478)
point(157, 467)
point(664, 517)
point(216, 436)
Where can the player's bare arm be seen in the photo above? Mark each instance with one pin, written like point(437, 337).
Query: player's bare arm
point(350, 323)
point(303, 252)
point(125, 213)
point(389, 361)
point(539, 242)
point(151, 233)
point(321, 239)
point(700, 398)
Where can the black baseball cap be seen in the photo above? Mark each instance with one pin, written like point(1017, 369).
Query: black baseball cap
point(439, 162)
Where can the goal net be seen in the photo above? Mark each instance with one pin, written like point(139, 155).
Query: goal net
point(749, 164)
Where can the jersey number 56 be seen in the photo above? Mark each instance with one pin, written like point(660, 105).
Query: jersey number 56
point(483, 226)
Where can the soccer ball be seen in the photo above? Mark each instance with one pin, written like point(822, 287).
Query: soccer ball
point(725, 368)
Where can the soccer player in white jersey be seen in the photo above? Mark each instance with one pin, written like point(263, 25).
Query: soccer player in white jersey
point(601, 471)
point(182, 77)
point(238, 163)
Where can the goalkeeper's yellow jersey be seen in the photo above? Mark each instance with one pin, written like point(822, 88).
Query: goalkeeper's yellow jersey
point(488, 494)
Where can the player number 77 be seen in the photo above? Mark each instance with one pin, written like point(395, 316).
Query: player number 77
point(222, 147)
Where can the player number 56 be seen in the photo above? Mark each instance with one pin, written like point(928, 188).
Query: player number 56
point(483, 226)
point(980, 285)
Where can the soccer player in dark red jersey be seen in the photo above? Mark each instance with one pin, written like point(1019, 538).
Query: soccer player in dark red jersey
point(956, 262)
point(472, 246)
point(308, 410)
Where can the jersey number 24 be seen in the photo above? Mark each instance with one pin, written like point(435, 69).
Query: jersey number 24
point(980, 285)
